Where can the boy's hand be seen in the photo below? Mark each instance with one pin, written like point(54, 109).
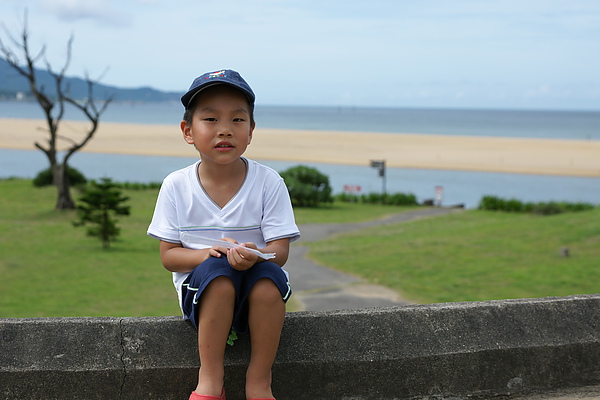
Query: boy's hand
point(216, 251)
point(241, 259)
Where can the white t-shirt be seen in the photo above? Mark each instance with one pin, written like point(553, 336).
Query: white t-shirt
point(260, 212)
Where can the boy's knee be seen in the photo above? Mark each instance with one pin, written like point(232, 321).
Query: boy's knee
point(221, 286)
point(265, 290)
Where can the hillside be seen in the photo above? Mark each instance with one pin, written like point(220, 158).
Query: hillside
point(12, 83)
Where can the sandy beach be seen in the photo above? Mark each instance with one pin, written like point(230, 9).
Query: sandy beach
point(405, 150)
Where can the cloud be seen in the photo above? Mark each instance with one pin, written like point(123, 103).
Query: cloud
point(100, 11)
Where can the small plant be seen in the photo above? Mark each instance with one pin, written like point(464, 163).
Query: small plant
point(101, 201)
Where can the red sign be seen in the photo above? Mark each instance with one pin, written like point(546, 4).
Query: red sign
point(352, 188)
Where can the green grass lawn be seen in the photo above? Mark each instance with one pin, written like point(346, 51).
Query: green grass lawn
point(474, 255)
point(50, 268)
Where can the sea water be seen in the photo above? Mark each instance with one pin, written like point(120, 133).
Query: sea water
point(578, 125)
point(457, 187)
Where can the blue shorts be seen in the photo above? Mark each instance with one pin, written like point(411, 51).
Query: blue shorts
point(243, 281)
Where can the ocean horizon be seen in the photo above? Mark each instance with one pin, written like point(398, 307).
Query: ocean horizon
point(549, 124)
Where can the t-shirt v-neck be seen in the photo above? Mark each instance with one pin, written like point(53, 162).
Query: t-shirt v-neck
point(232, 201)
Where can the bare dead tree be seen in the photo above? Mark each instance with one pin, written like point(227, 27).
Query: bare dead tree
point(20, 57)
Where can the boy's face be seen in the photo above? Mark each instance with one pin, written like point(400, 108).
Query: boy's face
point(221, 129)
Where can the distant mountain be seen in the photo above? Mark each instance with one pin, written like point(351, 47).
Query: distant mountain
point(12, 83)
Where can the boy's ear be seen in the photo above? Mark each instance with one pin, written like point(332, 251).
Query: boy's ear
point(251, 132)
point(186, 129)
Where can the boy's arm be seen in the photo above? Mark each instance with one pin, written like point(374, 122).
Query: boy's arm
point(176, 258)
point(281, 248)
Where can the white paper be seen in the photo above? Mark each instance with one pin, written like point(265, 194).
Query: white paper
point(191, 238)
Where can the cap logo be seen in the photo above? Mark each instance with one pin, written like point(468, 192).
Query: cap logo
point(218, 74)
point(222, 76)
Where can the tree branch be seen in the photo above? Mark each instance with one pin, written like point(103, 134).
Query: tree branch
point(54, 108)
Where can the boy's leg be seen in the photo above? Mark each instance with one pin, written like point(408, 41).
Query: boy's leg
point(266, 312)
point(215, 317)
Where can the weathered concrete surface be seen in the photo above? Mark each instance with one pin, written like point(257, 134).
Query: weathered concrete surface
point(497, 349)
point(579, 393)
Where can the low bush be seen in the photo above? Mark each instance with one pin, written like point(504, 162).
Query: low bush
point(307, 186)
point(493, 203)
point(138, 186)
point(44, 178)
point(394, 199)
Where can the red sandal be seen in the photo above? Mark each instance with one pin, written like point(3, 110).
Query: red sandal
point(196, 396)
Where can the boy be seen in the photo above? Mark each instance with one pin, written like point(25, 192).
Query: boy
point(228, 197)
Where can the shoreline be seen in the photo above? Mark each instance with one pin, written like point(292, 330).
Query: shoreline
point(559, 157)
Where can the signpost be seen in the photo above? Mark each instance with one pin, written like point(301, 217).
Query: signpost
point(380, 164)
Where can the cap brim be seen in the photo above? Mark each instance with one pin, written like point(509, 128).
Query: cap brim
point(187, 98)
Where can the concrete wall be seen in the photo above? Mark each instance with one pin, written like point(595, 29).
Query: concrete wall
point(452, 350)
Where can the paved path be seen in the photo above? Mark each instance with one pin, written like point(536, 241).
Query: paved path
point(317, 287)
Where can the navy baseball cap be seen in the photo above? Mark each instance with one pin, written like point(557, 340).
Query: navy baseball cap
point(221, 77)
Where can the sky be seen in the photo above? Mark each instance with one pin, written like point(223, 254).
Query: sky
point(510, 54)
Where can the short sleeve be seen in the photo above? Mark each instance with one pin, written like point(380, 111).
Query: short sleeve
point(278, 215)
point(164, 221)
